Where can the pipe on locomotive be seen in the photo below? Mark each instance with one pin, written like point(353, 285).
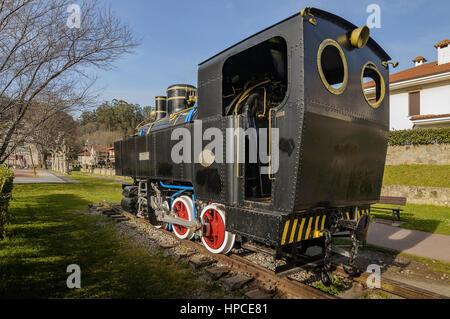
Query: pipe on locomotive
point(160, 107)
point(181, 190)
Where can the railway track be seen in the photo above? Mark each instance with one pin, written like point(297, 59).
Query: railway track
point(267, 278)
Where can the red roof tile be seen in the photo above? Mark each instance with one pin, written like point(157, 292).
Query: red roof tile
point(99, 148)
point(419, 58)
point(420, 71)
point(441, 44)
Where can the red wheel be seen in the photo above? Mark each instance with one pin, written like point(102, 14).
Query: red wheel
point(216, 239)
point(182, 206)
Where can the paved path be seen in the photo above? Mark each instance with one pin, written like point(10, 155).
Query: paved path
point(409, 241)
point(43, 177)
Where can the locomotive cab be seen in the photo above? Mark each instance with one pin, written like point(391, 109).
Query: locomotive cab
point(253, 83)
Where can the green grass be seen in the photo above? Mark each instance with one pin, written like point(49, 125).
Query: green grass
point(429, 218)
point(417, 175)
point(375, 294)
point(122, 178)
point(49, 233)
point(335, 288)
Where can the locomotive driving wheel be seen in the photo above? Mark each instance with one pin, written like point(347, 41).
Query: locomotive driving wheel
point(184, 208)
point(215, 238)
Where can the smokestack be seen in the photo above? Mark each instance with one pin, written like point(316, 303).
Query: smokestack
point(419, 60)
point(443, 50)
point(160, 107)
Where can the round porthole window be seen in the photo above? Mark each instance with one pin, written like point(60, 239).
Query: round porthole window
point(373, 85)
point(332, 66)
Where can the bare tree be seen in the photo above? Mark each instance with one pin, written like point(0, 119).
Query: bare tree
point(49, 134)
point(45, 61)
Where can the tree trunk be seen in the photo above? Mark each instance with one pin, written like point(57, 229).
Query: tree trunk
point(44, 159)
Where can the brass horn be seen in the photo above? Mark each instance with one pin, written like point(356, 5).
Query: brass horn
point(359, 37)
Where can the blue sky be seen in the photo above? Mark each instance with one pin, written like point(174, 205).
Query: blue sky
point(177, 35)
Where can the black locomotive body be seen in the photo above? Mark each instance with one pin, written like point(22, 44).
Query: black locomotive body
point(303, 77)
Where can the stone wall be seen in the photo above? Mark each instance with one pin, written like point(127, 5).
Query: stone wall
point(437, 154)
point(419, 194)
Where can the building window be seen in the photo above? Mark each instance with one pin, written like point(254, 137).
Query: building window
point(414, 103)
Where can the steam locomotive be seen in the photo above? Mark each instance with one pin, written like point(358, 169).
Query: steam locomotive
point(301, 86)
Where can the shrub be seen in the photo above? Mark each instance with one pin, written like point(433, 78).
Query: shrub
point(420, 137)
point(6, 186)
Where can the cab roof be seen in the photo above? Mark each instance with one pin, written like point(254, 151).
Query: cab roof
point(324, 15)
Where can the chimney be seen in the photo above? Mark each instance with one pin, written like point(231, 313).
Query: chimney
point(419, 60)
point(443, 49)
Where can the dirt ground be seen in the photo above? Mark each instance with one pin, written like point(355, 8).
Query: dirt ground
point(406, 270)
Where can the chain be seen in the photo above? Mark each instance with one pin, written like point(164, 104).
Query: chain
point(354, 252)
point(326, 279)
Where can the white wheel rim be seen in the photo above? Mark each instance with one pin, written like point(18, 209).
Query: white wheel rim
point(226, 240)
point(187, 202)
point(231, 241)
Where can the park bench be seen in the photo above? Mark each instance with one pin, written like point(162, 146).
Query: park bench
point(390, 200)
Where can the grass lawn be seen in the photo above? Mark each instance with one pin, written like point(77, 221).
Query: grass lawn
point(429, 218)
point(417, 175)
point(125, 179)
point(49, 233)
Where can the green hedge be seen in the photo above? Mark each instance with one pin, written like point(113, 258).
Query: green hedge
point(6, 186)
point(420, 137)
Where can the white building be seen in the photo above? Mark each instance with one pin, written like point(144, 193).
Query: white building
point(97, 154)
point(420, 96)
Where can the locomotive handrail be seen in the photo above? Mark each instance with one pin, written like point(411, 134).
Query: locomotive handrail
point(169, 118)
point(265, 102)
point(238, 148)
point(270, 144)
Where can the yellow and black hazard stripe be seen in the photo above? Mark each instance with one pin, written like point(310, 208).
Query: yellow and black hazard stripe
point(303, 228)
point(306, 227)
point(362, 212)
point(348, 214)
